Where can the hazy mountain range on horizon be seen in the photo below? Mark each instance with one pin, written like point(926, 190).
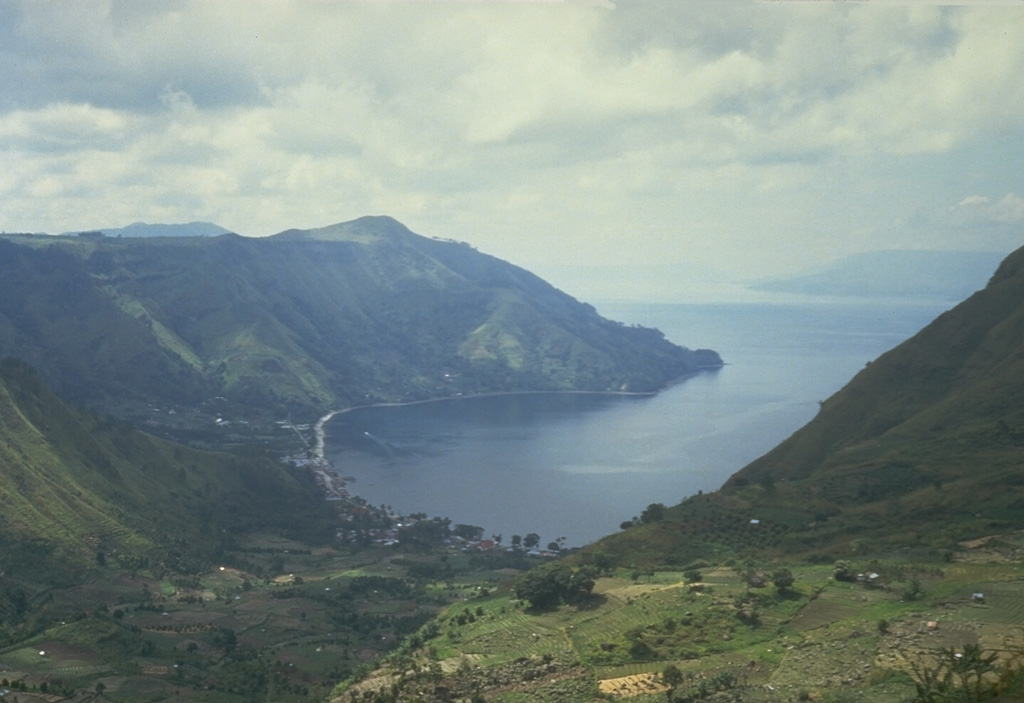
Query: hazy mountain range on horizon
point(894, 273)
point(144, 229)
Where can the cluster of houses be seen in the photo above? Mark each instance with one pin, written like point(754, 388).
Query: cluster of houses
point(391, 528)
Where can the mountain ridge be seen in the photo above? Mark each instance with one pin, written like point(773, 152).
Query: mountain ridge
point(145, 229)
point(81, 484)
point(357, 312)
point(919, 450)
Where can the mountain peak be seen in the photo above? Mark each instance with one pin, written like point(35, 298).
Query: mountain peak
point(363, 229)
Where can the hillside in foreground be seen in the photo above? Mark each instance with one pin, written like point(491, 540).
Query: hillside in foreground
point(924, 445)
point(76, 489)
point(303, 321)
point(133, 569)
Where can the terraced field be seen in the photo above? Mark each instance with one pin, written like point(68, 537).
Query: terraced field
point(837, 604)
point(221, 633)
point(817, 638)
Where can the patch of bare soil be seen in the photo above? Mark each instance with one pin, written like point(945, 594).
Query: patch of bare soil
point(626, 686)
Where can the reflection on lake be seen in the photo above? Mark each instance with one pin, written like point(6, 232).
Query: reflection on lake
point(577, 465)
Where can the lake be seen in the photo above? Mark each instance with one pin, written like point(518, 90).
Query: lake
point(577, 465)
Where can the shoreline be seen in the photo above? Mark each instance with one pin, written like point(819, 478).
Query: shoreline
point(319, 432)
point(334, 484)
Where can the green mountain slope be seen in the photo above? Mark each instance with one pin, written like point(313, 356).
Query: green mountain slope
point(73, 485)
point(354, 313)
point(929, 436)
point(923, 448)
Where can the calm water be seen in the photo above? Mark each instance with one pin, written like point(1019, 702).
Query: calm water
point(577, 465)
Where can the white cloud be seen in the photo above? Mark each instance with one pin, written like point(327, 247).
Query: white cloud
point(651, 132)
point(1008, 210)
point(972, 200)
point(62, 127)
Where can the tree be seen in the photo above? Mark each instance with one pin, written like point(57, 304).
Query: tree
point(517, 541)
point(425, 533)
point(582, 584)
point(548, 585)
point(957, 676)
point(225, 638)
point(604, 562)
point(472, 533)
point(671, 676)
point(783, 579)
point(539, 588)
point(531, 540)
point(655, 512)
point(842, 571)
point(913, 589)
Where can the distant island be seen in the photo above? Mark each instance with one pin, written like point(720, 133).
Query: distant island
point(905, 274)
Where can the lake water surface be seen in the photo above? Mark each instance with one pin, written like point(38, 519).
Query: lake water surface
point(577, 465)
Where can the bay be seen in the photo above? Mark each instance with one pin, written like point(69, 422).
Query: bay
point(577, 465)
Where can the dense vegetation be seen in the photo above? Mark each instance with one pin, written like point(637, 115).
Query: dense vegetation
point(351, 314)
point(76, 488)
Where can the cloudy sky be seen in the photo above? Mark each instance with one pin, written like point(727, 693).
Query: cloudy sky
point(744, 139)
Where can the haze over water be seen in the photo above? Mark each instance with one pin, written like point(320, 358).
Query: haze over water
point(577, 465)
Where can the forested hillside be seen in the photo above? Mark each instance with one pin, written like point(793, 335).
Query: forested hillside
point(75, 488)
point(355, 313)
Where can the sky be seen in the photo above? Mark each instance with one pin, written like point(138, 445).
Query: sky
point(637, 144)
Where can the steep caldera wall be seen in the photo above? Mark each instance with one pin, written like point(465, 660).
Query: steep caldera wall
point(355, 313)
